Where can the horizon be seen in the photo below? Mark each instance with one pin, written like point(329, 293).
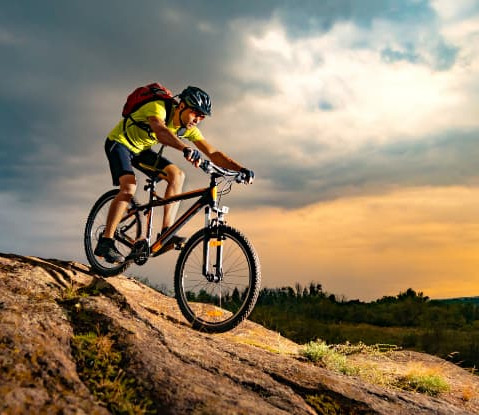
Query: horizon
point(341, 298)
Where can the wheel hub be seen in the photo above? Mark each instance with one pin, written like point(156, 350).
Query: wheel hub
point(210, 277)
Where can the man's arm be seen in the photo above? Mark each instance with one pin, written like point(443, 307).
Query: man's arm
point(166, 137)
point(222, 160)
point(216, 156)
point(163, 135)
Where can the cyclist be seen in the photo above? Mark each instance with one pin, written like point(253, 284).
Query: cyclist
point(129, 144)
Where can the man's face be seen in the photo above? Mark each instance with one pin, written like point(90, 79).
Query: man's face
point(191, 117)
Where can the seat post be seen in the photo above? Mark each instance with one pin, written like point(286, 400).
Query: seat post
point(150, 188)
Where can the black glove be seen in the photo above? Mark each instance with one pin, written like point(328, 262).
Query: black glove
point(191, 154)
point(248, 175)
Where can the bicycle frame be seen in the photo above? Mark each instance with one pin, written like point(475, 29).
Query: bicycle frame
point(208, 197)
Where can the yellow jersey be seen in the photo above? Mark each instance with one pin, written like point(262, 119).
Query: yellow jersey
point(139, 139)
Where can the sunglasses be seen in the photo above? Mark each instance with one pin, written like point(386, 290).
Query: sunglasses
point(198, 114)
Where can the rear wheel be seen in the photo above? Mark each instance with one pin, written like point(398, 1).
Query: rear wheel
point(127, 232)
point(217, 302)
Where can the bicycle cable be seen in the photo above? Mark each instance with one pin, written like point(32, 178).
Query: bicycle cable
point(226, 184)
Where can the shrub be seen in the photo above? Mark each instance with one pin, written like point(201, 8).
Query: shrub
point(422, 380)
point(319, 351)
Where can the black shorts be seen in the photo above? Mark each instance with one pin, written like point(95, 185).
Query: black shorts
point(122, 161)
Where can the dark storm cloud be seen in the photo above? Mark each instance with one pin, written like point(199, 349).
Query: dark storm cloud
point(444, 55)
point(54, 51)
point(445, 160)
point(313, 16)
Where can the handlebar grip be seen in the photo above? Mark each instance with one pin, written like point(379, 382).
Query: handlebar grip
point(241, 178)
point(209, 167)
point(205, 166)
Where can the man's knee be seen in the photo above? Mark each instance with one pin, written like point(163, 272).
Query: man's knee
point(127, 187)
point(175, 175)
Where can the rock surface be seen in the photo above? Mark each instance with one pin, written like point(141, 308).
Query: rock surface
point(249, 370)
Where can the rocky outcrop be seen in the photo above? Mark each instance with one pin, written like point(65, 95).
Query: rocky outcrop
point(47, 305)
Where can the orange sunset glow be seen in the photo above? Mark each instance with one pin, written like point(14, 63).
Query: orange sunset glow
point(368, 247)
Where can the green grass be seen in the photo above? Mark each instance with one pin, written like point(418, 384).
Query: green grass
point(99, 365)
point(324, 405)
point(348, 348)
point(319, 351)
point(431, 384)
point(334, 357)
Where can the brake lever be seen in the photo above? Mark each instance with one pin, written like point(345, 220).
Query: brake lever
point(240, 178)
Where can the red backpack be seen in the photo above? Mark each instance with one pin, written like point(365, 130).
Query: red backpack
point(143, 95)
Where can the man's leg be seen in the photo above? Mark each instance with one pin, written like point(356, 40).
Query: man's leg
point(106, 245)
point(175, 178)
point(119, 204)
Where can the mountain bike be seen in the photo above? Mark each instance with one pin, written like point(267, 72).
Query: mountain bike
point(217, 275)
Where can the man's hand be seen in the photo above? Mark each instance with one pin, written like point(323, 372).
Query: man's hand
point(248, 175)
point(192, 155)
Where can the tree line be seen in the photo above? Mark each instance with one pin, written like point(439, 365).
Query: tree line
point(449, 329)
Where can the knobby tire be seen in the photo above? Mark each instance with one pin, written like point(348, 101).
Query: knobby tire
point(94, 227)
point(203, 303)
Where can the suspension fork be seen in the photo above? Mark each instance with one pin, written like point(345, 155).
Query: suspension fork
point(213, 239)
point(206, 243)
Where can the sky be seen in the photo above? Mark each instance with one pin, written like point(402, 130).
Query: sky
point(359, 118)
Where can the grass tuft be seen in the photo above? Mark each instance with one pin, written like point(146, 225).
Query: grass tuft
point(423, 380)
point(429, 381)
point(374, 349)
point(99, 366)
point(324, 404)
point(319, 351)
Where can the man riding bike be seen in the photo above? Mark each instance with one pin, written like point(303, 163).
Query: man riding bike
point(129, 145)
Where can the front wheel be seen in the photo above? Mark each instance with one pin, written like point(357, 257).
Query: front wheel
point(226, 295)
point(127, 232)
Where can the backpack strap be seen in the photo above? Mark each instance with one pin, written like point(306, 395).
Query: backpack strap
point(145, 126)
point(126, 133)
point(168, 108)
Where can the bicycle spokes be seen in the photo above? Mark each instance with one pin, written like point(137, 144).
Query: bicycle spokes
point(125, 236)
point(219, 279)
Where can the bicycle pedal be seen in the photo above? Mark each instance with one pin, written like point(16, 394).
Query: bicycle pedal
point(137, 258)
point(131, 257)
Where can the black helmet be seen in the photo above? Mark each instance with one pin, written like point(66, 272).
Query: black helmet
point(197, 99)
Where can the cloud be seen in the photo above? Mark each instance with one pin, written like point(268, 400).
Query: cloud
point(454, 11)
point(332, 116)
point(8, 38)
point(50, 228)
point(367, 247)
point(364, 90)
point(354, 77)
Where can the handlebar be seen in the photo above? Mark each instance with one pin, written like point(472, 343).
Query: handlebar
point(211, 168)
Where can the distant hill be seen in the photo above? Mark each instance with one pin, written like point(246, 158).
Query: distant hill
point(472, 300)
